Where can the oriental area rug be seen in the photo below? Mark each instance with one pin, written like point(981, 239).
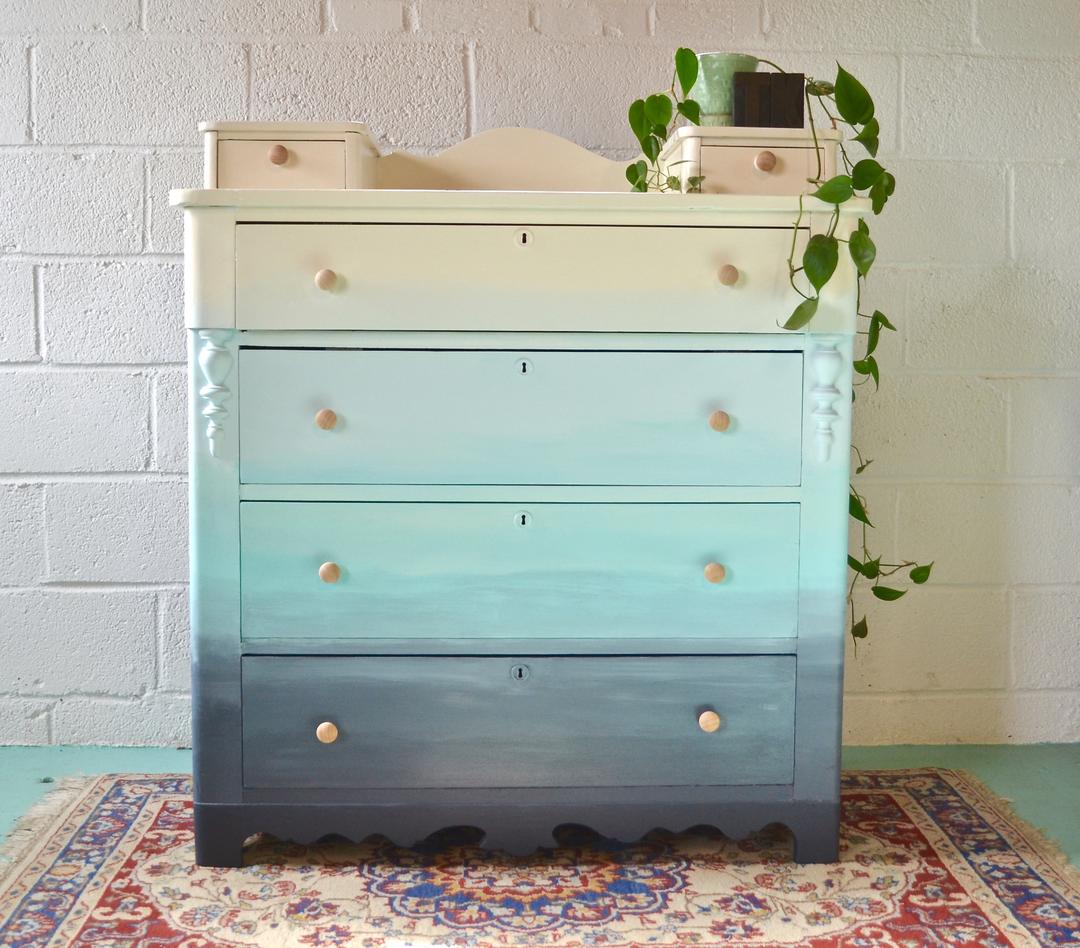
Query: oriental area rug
point(929, 858)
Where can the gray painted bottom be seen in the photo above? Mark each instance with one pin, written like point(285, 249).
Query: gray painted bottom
point(221, 829)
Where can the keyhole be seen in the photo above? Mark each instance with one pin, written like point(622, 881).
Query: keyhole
point(523, 367)
point(522, 518)
point(519, 672)
point(523, 238)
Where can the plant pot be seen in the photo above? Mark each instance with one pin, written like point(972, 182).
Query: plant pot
point(714, 89)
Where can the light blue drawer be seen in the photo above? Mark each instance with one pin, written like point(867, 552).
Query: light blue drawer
point(472, 570)
point(518, 722)
point(536, 417)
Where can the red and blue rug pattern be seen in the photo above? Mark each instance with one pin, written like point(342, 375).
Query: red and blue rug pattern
point(929, 858)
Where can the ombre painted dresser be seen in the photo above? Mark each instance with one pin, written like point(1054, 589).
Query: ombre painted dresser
point(510, 508)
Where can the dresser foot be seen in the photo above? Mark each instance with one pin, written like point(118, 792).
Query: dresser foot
point(817, 838)
point(219, 836)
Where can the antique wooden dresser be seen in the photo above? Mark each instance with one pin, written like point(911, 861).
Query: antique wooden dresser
point(511, 508)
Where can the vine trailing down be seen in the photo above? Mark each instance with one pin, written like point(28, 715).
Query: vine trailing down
point(844, 101)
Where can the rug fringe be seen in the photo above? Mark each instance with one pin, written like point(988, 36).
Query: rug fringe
point(28, 828)
point(1047, 846)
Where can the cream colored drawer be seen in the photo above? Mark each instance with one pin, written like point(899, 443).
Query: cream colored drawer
point(280, 164)
point(500, 277)
point(736, 169)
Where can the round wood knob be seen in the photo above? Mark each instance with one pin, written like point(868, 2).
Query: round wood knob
point(331, 572)
point(326, 418)
point(325, 279)
point(765, 161)
point(708, 721)
point(327, 732)
point(729, 275)
point(278, 154)
point(719, 421)
point(715, 572)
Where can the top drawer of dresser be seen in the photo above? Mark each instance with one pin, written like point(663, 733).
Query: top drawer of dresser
point(526, 278)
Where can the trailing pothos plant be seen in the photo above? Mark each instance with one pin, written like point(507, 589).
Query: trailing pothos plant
point(845, 101)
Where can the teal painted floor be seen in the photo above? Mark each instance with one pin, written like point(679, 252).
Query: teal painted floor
point(1042, 781)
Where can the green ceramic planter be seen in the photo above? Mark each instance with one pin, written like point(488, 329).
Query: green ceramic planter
point(714, 89)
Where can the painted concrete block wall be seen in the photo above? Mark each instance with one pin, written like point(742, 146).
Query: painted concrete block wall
point(975, 430)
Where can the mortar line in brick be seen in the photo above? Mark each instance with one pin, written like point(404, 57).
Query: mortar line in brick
point(152, 422)
point(32, 257)
point(127, 148)
point(324, 16)
point(102, 587)
point(37, 290)
point(146, 206)
point(143, 15)
point(650, 20)
point(92, 477)
point(85, 366)
point(961, 692)
point(470, 88)
point(1010, 607)
point(246, 47)
point(31, 93)
point(1003, 481)
point(159, 657)
point(901, 81)
point(1010, 211)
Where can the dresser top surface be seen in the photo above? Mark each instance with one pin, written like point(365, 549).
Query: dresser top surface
point(477, 200)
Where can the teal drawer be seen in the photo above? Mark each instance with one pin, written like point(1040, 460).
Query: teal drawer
point(536, 417)
point(476, 570)
point(517, 722)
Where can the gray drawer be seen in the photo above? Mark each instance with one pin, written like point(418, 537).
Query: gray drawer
point(517, 722)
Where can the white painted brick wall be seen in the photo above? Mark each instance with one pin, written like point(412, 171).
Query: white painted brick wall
point(976, 431)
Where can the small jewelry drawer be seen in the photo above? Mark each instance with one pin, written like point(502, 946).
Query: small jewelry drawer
point(606, 571)
point(752, 170)
point(521, 721)
point(351, 416)
point(526, 278)
point(280, 164)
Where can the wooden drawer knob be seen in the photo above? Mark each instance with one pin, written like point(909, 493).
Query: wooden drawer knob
point(326, 418)
point(729, 275)
point(326, 279)
point(708, 721)
point(715, 572)
point(278, 154)
point(329, 572)
point(327, 732)
point(719, 421)
point(765, 161)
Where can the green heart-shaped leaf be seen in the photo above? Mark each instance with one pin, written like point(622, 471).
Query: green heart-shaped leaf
point(862, 251)
point(658, 109)
point(852, 100)
point(857, 510)
point(865, 173)
point(868, 137)
point(859, 629)
point(639, 125)
point(886, 593)
point(920, 574)
point(691, 110)
point(835, 190)
point(819, 259)
point(868, 366)
point(801, 315)
point(686, 68)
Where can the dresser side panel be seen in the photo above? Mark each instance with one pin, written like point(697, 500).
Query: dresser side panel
point(215, 565)
point(823, 549)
